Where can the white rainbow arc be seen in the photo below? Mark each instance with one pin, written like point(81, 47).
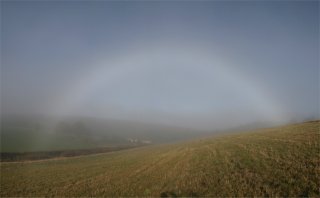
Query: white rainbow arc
point(108, 71)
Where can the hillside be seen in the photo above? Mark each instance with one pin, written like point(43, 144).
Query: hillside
point(39, 134)
point(281, 161)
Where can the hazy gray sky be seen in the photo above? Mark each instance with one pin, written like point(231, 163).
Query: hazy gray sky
point(199, 63)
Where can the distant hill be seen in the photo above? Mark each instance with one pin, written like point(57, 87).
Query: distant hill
point(28, 134)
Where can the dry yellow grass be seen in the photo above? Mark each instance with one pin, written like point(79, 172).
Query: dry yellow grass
point(280, 161)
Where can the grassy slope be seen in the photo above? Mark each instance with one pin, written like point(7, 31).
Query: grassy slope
point(281, 161)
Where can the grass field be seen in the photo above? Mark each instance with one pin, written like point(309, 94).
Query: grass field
point(281, 161)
